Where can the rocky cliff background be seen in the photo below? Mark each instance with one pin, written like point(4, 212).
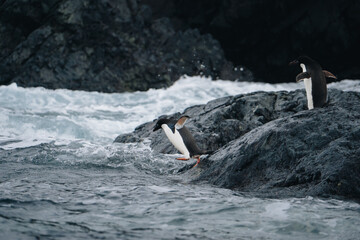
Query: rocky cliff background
point(128, 45)
point(264, 34)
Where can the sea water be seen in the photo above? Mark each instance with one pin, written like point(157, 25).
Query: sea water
point(62, 177)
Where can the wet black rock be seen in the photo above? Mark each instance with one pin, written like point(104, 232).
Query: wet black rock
point(107, 46)
point(269, 145)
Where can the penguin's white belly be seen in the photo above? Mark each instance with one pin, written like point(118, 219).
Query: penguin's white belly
point(308, 89)
point(176, 140)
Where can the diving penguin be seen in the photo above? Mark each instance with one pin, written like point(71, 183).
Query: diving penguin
point(180, 137)
point(314, 80)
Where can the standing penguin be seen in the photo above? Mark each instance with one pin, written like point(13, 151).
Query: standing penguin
point(180, 137)
point(314, 80)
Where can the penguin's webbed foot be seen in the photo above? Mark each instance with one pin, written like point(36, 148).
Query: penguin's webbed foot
point(198, 160)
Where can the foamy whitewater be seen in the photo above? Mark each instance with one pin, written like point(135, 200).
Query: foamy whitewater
point(61, 175)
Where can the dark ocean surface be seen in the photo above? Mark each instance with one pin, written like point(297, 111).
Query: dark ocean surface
point(62, 177)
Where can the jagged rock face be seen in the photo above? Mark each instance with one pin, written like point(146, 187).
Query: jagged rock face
point(314, 153)
point(269, 145)
point(265, 34)
point(107, 46)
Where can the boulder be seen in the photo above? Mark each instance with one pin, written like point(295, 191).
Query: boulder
point(311, 153)
point(268, 144)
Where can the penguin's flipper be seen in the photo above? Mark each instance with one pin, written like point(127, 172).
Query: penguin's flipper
point(181, 122)
point(302, 76)
point(329, 74)
point(172, 127)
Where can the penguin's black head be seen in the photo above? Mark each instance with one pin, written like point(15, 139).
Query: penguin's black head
point(302, 59)
point(305, 60)
point(159, 123)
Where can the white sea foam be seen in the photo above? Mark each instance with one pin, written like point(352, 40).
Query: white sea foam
point(346, 85)
point(277, 210)
point(30, 116)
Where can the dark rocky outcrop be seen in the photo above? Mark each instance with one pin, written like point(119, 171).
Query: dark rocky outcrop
point(223, 120)
point(265, 34)
point(310, 153)
point(107, 46)
point(270, 145)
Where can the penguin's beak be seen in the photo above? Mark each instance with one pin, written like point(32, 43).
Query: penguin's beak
point(157, 127)
point(292, 63)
